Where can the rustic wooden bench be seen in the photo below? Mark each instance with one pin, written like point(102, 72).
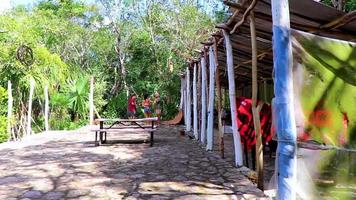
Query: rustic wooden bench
point(124, 125)
point(104, 131)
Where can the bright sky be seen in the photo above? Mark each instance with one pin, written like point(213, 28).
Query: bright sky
point(8, 4)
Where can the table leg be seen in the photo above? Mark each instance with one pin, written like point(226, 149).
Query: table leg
point(96, 138)
point(101, 133)
point(152, 126)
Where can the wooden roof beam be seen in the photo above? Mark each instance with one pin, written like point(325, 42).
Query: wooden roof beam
point(345, 19)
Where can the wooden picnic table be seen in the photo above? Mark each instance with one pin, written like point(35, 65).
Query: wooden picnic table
point(125, 127)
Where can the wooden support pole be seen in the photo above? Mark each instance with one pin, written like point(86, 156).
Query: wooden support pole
point(46, 108)
point(189, 107)
point(210, 128)
point(181, 104)
point(203, 104)
point(29, 112)
point(195, 102)
point(255, 112)
point(185, 108)
point(218, 90)
point(9, 110)
point(199, 99)
point(207, 77)
point(232, 96)
point(283, 103)
point(91, 101)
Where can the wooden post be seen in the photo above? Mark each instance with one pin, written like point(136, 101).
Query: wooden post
point(232, 96)
point(203, 104)
point(181, 104)
point(283, 103)
point(29, 112)
point(195, 101)
point(185, 99)
point(9, 110)
point(199, 99)
point(206, 75)
point(218, 90)
point(210, 129)
point(46, 108)
point(255, 112)
point(189, 107)
point(91, 101)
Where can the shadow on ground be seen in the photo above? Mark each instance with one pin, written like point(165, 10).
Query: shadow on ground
point(72, 168)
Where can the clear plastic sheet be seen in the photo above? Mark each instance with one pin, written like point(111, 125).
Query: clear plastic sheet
point(324, 84)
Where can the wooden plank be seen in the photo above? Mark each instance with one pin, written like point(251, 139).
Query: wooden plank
point(127, 120)
point(123, 130)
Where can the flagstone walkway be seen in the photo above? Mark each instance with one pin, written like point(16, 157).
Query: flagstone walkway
point(66, 165)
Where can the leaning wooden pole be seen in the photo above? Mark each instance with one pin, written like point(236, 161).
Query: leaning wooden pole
point(9, 110)
point(29, 112)
point(283, 103)
point(232, 96)
point(255, 111)
point(91, 101)
point(46, 108)
point(203, 104)
point(195, 102)
point(210, 128)
point(218, 90)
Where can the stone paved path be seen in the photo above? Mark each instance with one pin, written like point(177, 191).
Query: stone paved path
point(66, 165)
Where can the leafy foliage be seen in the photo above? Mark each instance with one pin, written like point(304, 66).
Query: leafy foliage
point(128, 46)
